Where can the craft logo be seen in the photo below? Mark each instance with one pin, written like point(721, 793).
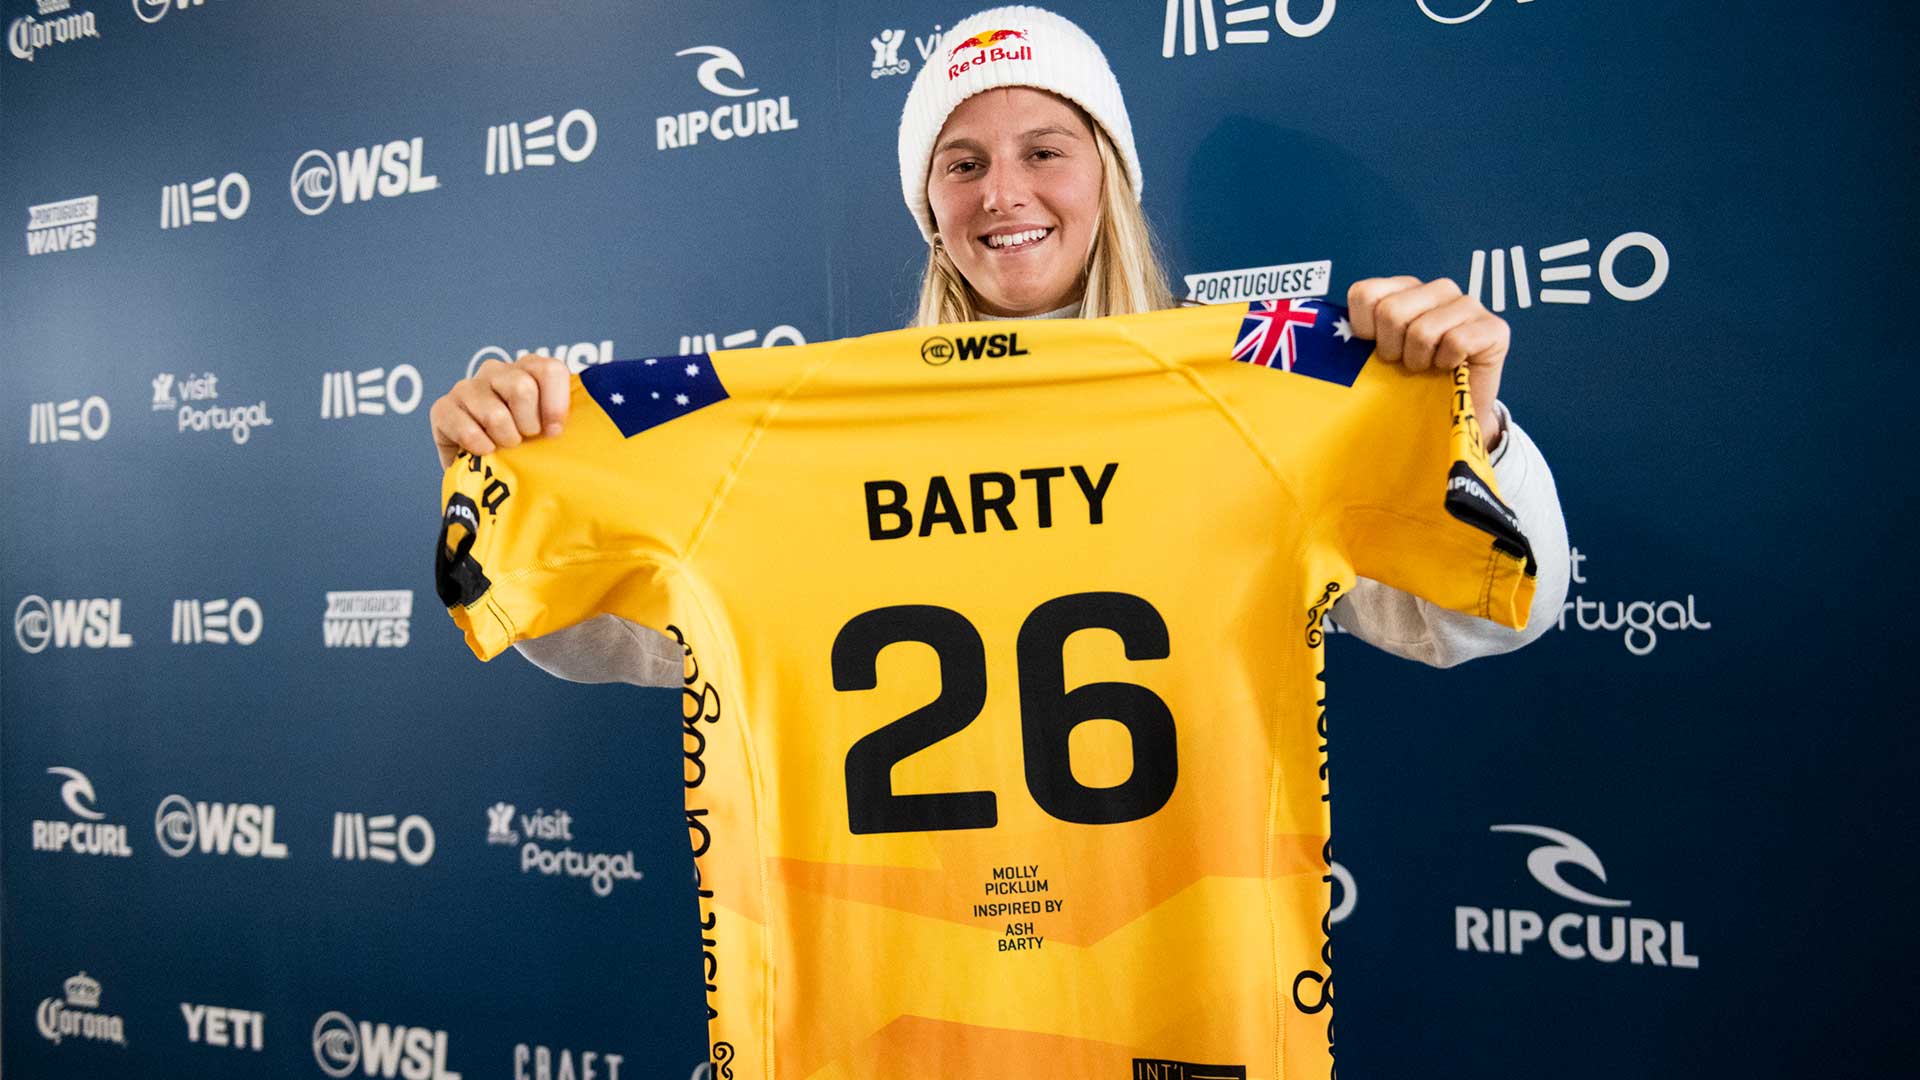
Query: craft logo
point(374, 392)
point(66, 225)
point(216, 1025)
point(741, 119)
point(69, 624)
point(1471, 9)
point(376, 619)
point(78, 1017)
point(192, 412)
point(357, 175)
point(534, 144)
point(386, 838)
point(203, 201)
point(50, 422)
point(1191, 23)
point(1288, 281)
point(152, 11)
point(1498, 259)
point(544, 830)
point(579, 356)
point(547, 1063)
point(28, 35)
point(740, 339)
point(987, 47)
point(1571, 935)
point(1639, 621)
point(343, 1048)
point(87, 836)
point(243, 829)
point(937, 351)
point(216, 622)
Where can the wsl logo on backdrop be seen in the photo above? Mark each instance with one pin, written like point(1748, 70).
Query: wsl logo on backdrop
point(39, 623)
point(28, 35)
point(242, 829)
point(514, 146)
point(193, 411)
point(579, 356)
point(78, 1015)
point(1571, 935)
point(1488, 273)
point(218, 1025)
point(539, 854)
point(386, 838)
point(216, 622)
point(343, 1048)
point(372, 619)
point(67, 225)
point(152, 11)
point(374, 392)
point(388, 170)
point(87, 836)
point(72, 420)
point(199, 202)
point(740, 120)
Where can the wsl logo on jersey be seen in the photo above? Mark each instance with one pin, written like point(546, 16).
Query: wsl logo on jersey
point(386, 838)
point(39, 623)
point(539, 854)
point(218, 621)
point(578, 356)
point(27, 36)
point(374, 392)
point(388, 170)
point(343, 1048)
point(88, 836)
point(1306, 337)
point(242, 829)
point(376, 619)
point(739, 120)
point(514, 146)
point(1571, 935)
point(72, 420)
point(201, 202)
point(68, 225)
point(77, 1016)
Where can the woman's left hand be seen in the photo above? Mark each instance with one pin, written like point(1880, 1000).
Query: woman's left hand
point(1432, 324)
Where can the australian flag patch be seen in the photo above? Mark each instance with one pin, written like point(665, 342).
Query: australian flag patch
point(643, 394)
point(1306, 337)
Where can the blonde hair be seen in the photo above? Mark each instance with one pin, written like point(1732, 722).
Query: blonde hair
point(1123, 274)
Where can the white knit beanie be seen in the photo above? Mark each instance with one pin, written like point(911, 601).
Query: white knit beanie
point(1006, 46)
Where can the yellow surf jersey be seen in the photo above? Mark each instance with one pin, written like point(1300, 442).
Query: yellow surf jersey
point(1002, 649)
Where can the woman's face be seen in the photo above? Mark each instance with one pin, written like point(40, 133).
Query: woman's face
point(1017, 162)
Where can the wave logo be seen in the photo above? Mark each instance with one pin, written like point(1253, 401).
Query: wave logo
point(342, 1047)
point(216, 622)
point(69, 624)
point(206, 200)
point(152, 11)
point(51, 422)
point(77, 793)
point(373, 392)
point(1608, 939)
point(386, 169)
point(515, 146)
point(243, 829)
point(579, 356)
point(1426, 8)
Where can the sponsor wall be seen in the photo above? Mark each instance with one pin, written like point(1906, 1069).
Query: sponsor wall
point(264, 815)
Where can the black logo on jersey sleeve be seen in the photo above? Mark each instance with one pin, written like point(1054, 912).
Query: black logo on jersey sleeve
point(1470, 500)
point(456, 574)
point(1160, 1069)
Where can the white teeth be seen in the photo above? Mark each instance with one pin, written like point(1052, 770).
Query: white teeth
point(1017, 239)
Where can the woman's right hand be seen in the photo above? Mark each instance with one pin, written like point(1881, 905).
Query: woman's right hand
point(499, 406)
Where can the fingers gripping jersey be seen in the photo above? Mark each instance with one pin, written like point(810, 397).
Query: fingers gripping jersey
point(1003, 710)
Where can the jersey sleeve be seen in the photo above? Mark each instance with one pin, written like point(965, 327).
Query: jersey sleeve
point(605, 517)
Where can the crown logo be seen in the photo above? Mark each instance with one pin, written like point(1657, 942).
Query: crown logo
point(83, 992)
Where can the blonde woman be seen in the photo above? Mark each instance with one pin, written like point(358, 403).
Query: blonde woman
point(1021, 171)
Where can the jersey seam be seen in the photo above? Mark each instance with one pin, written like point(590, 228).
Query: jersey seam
point(1487, 577)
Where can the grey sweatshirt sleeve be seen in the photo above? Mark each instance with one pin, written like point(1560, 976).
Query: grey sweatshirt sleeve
point(607, 648)
point(1405, 625)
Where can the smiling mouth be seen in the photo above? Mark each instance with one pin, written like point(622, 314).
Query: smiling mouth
point(1020, 241)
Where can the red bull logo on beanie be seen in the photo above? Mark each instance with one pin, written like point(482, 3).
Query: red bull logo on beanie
point(987, 47)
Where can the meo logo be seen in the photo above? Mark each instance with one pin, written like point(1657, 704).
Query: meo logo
point(216, 622)
point(370, 393)
point(205, 200)
point(382, 838)
point(68, 421)
point(515, 146)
